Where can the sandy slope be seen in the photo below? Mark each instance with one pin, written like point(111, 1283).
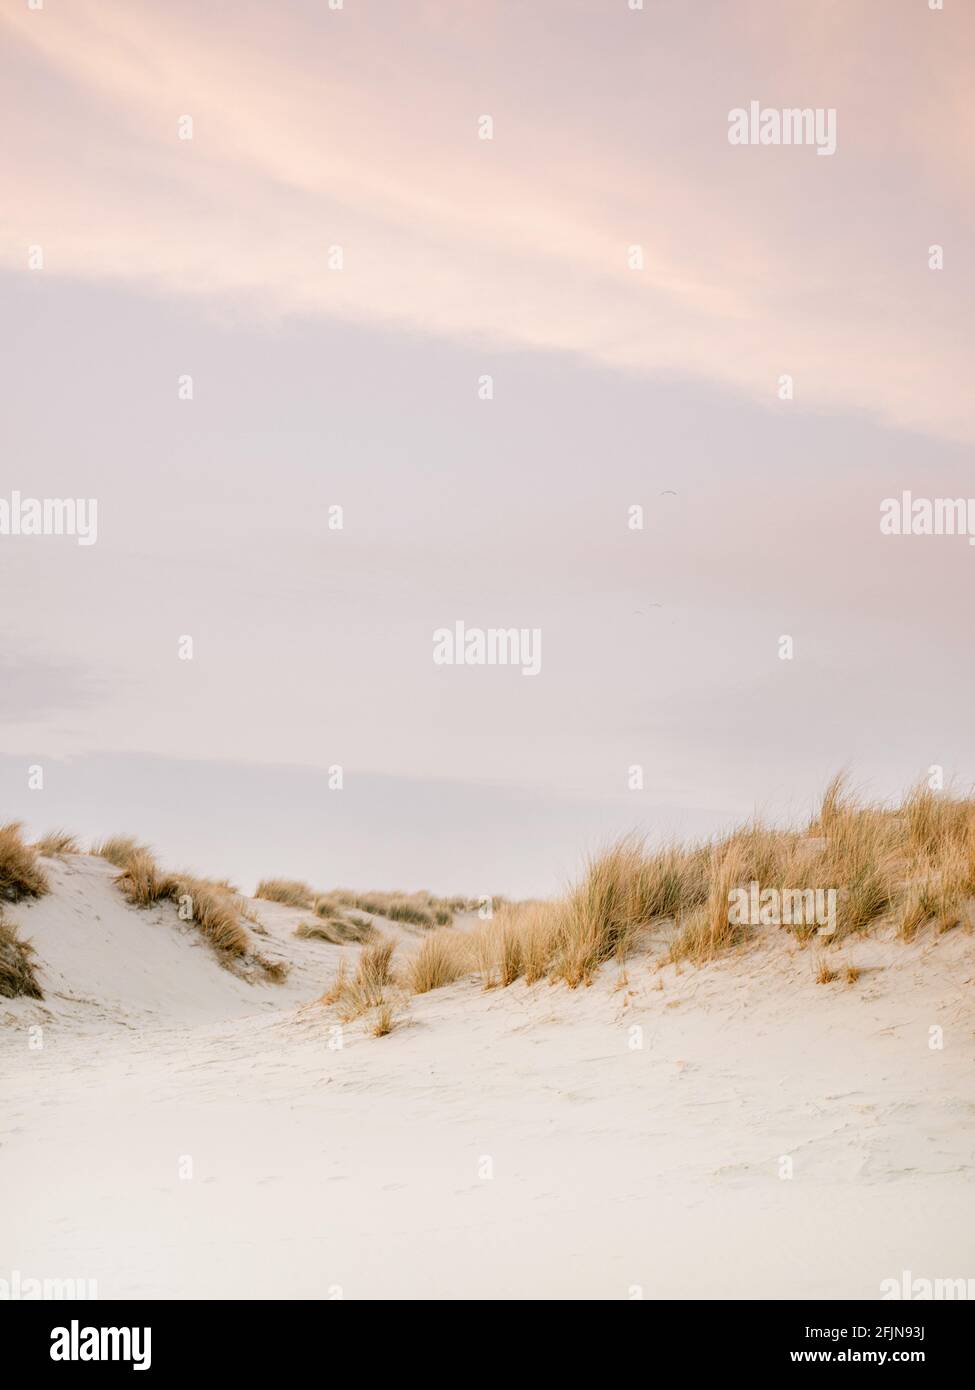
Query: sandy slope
point(360, 1169)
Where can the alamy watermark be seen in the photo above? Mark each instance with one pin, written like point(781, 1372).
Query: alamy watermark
point(23, 1287)
point(50, 516)
point(493, 646)
point(77, 1343)
point(792, 125)
point(927, 1290)
point(783, 907)
point(928, 516)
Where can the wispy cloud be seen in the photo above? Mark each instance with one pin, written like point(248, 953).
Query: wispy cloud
point(359, 128)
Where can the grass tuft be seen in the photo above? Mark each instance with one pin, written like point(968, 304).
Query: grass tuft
point(214, 910)
point(443, 957)
point(212, 905)
point(384, 1022)
point(290, 891)
point(337, 988)
point(120, 849)
point(338, 931)
point(903, 866)
point(359, 993)
point(275, 971)
point(56, 844)
point(17, 976)
point(414, 909)
point(143, 882)
point(20, 874)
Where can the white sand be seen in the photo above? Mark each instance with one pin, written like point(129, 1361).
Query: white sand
point(316, 1170)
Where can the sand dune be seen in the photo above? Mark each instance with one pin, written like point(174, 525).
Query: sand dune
point(183, 1132)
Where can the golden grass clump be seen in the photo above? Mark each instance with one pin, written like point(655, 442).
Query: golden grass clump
point(936, 822)
point(275, 971)
point(212, 905)
point(904, 866)
point(917, 908)
point(320, 931)
point(600, 915)
point(20, 874)
point(17, 976)
point(672, 879)
point(142, 881)
point(511, 953)
point(402, 910)
point(375, 969)
point(218, 911)
point(497, 951)
point(120, 849)
point(913, 864)
point(540, 924)
point(420, 909)
point(521, 941)
point(337, 988)
point(384, 1021)
point(395, 908)
point(290, 891)
point(707, 928)
point(357, 994)
point(56, 844)
point(866, 898)
point(356, 922)
point(937, 893)
point(215, 910)
point(443, 957)
point(337, 931)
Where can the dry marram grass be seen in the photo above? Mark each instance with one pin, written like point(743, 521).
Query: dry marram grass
point(17, 976)
point(905, 866)
point(119, 849)
point(415, 909)
point(908, 867)
point(290, 891)
point(212, 905)
point(443, 957)
point(360, 992)
point(384, 1021)
point(56, 844)
point(338, 931)
point(825, 974)
point(20, 874)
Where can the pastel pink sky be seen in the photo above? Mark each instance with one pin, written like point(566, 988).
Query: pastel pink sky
point(358, 127)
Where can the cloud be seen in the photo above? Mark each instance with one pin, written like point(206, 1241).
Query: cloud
point(32, 688)
point(315, 128)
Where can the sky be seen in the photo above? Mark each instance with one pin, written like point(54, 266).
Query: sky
point(619, 380)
